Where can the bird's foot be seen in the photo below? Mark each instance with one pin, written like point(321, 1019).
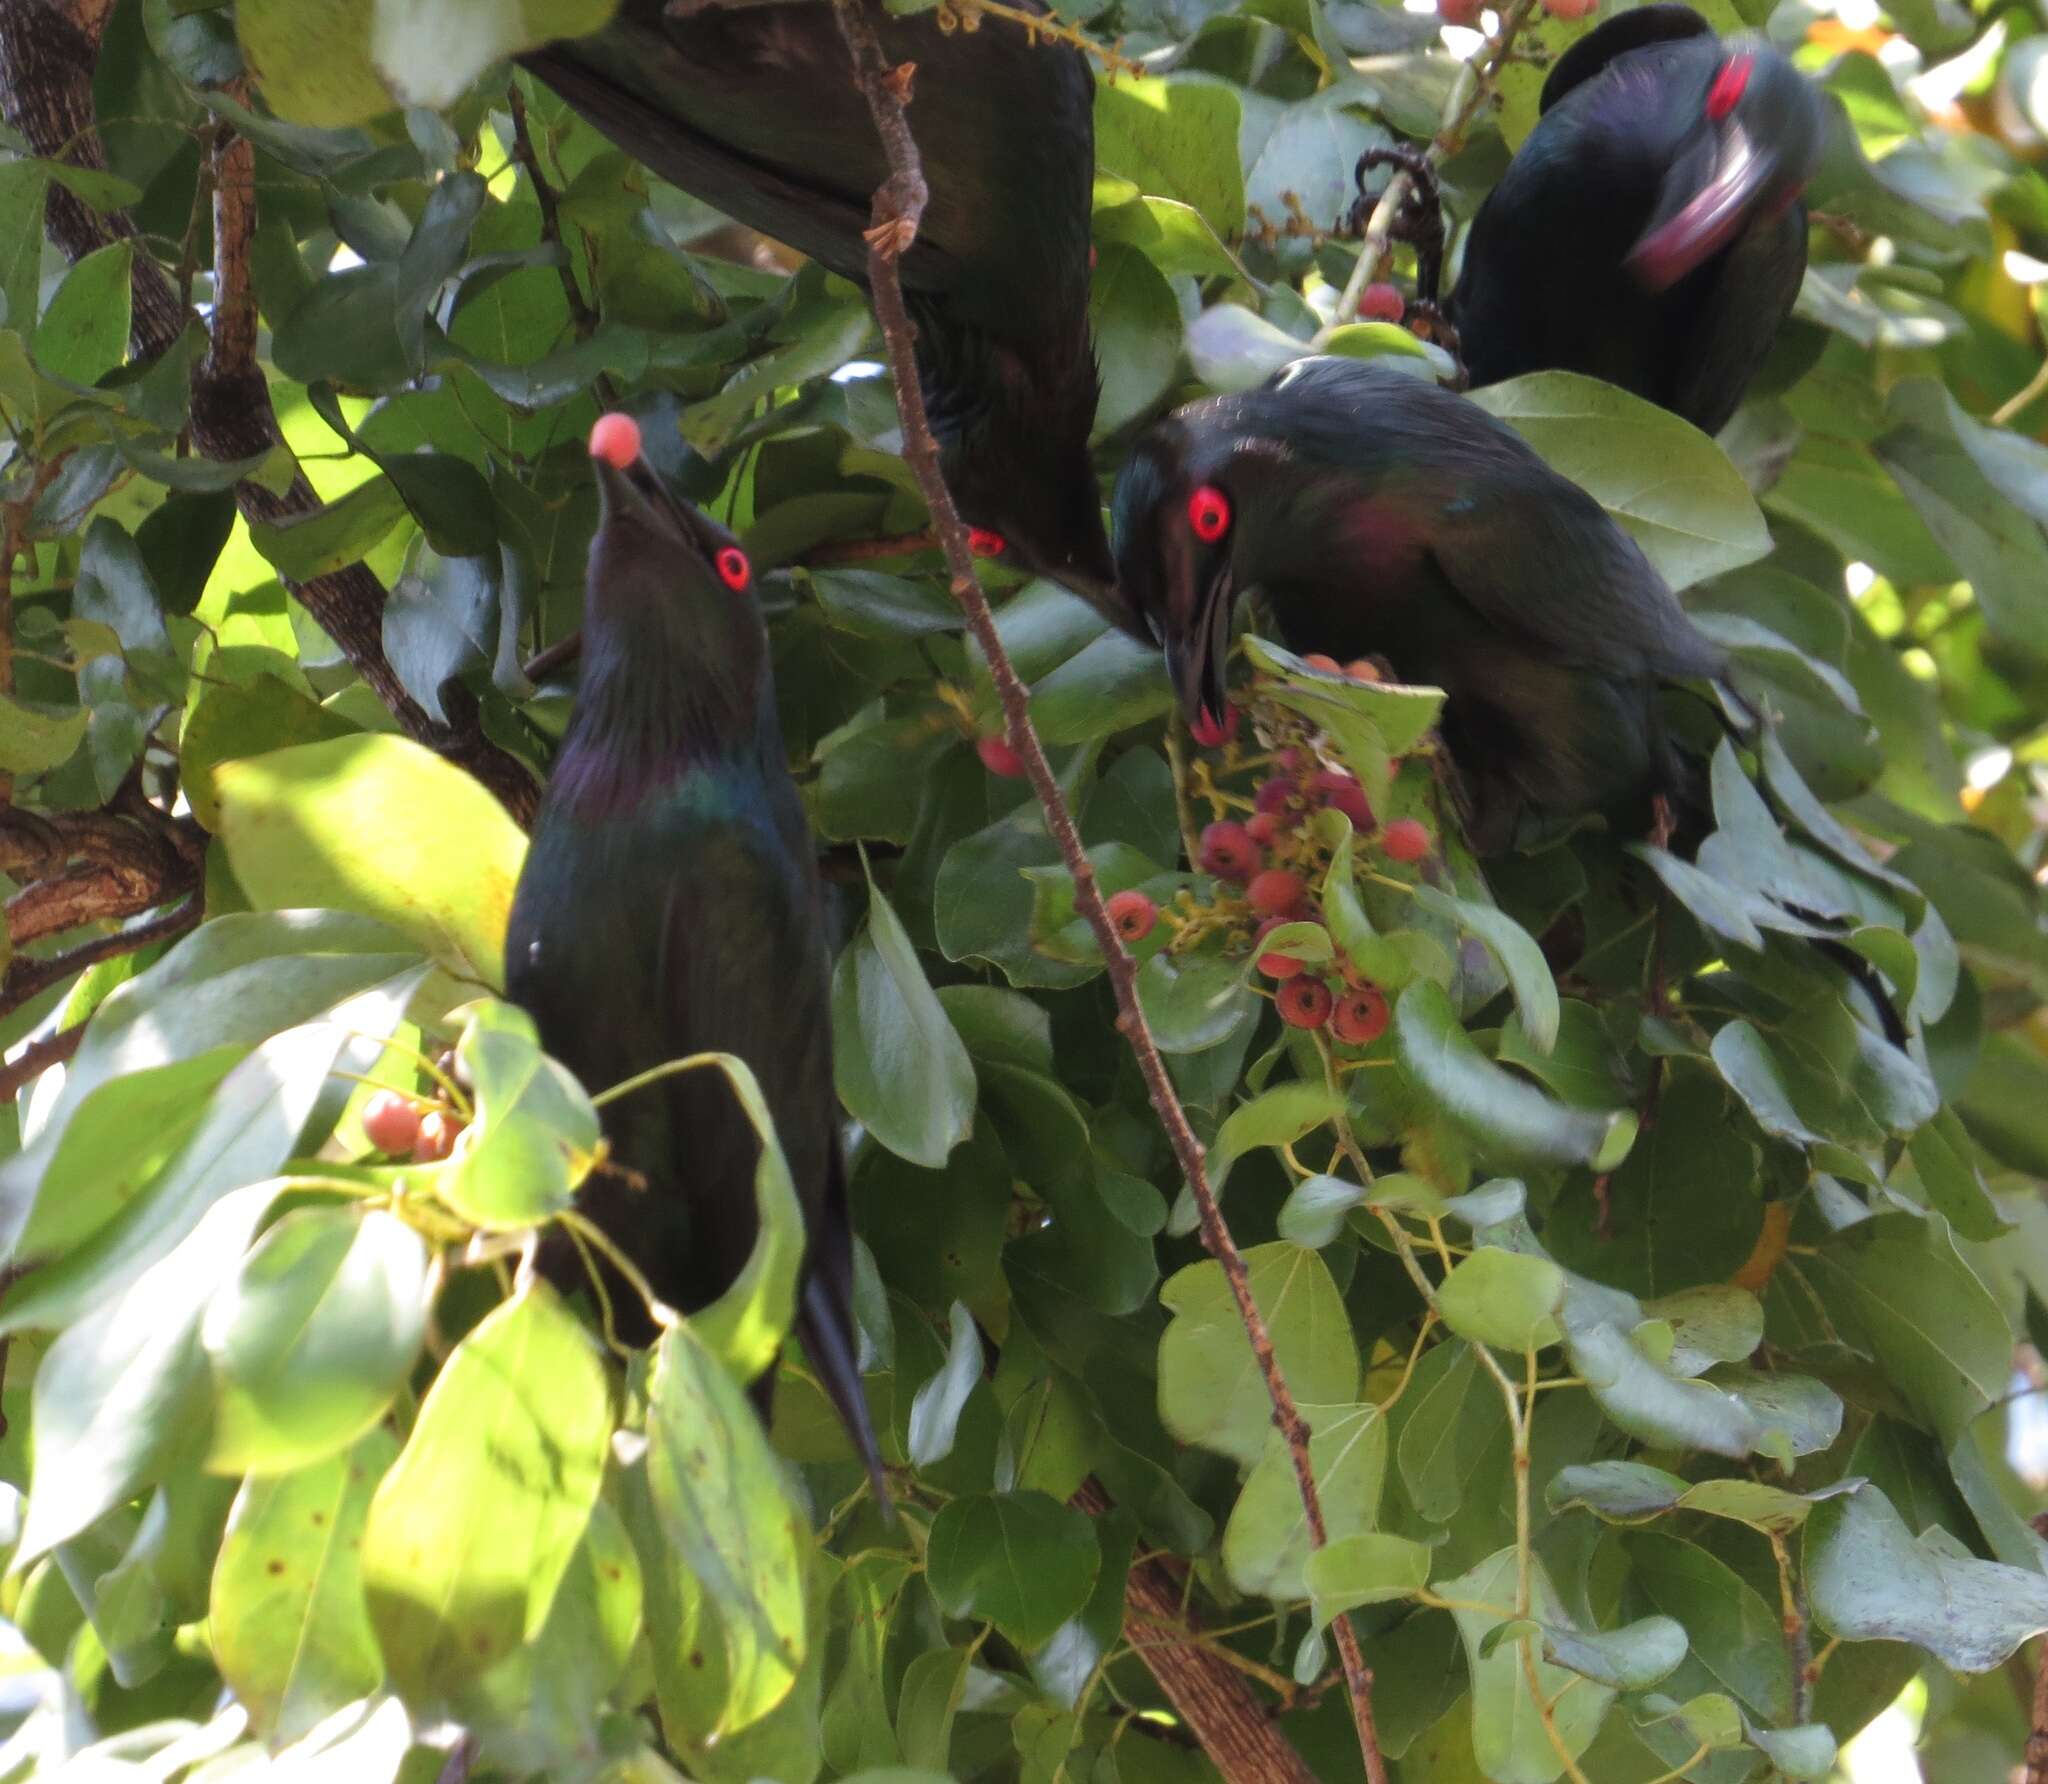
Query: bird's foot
point(1420, 220)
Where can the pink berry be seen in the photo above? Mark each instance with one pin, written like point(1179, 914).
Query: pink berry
point(1405, 840)
point(1323, 665)
point(1570, 9)
point(1363, 670)
point(1460, 12)
point(1212, 732)
point(615, 438)
point(1381, 302)
point(1133, 914)
point(391, 1122)
point(1360, 1017)
point(438, 1133)
point(1274, 794)
point(999, 758)
point(1304, 1002)
point(1229, 852)
point(1274, 892)
point(1333, 788)
point(1263, 828)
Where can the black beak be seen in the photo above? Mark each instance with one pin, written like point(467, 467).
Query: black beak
point(637, 496)
point(1195, 656)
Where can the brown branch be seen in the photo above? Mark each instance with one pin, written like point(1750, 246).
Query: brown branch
point(581, 314)
point(1235, 1729)
point(30, 976)
point(898, 207)
point(2037, 1737)
point(37, 1058)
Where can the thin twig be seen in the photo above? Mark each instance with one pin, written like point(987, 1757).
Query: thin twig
point(37, 1058)
point(898, 206)
point(30, 975)
point(2037, 1736)
point(1473, 89)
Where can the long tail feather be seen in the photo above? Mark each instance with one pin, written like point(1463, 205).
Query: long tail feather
point(824, 1322)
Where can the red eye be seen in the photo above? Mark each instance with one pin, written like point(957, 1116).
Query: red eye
point(1729, 85)
point(984, 543)
point(733, 569)
point(1209, 513)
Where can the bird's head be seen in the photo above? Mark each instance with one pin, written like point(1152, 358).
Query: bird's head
point(1753, 145)
point(1018, 465)
point(669, 591)
point(1176, 512)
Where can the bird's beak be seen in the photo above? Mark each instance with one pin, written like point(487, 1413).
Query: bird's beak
point(635, 495)
point(1195, 656)
point(1697, 218)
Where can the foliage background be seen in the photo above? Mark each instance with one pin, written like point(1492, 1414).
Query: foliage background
point(275, 1428)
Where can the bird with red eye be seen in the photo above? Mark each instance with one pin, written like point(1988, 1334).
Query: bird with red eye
point(669, 906)
point(1649, 231)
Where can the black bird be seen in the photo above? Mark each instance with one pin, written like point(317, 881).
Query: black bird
point(1382, 516)
point(1650, 231)
point(753, 109)
point(669, 906)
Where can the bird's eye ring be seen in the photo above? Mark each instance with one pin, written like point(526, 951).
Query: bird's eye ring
point(733, 569)
point(984, 543)
point(1729, 86)
point(1209, 513)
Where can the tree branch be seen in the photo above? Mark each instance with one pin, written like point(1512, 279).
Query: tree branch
point(29, 976)
point(898, 207)
point(37, 1058)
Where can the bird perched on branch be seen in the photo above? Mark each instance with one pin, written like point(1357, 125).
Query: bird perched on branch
point(753, 108)
point(1379, 515)
point(1650, 230)
point(669, 906)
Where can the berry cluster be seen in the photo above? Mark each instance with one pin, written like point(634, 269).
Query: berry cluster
point(402, 1126)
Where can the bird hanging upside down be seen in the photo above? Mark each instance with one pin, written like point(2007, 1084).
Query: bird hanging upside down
point(753, 108)
point(1650, 230)
point(1380, 516)
point(669, 906)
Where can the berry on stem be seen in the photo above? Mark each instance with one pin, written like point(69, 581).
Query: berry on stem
point(1363, 670)
point(1229, 852)
point(1133, 914)
point(999, 758)
point(391, 1122)
point(1274, 794)
point(1360, 1017)
point(438, 1133)
point(1262, 827)
point(615, 438)
point(1569, 9)
point(1316, 660)
point(1333, 788)
point(1405, 839)
point(1275, 892)
point(1381, 302)
point(1461, 12)
point(1304, 1002)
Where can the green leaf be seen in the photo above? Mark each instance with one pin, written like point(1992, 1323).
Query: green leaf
point(518, 1421)
point(313, 61)
point(535, 1135)
point(1106, 687)
point(429, 51)
point(718, 1492)
point(1211, 1390)
point(333, 536)
point(84, 332)
point(1506, 1114)
point(1664, 480)
point(33, 742)
point(1370, 1568)
point(1629, 1659)
point(1867, 1579)
point(312, 1337)
point(1136, 320)
point(902, 1070)
point(1265, 1544)
point(935, 1410)
point(447, 858)
point(287, 1619)
point(1276, 1117)
point(1508, 1737)
point(1735, 1635)
point(1502, 1299)
point(1022, 1561)
point(1516, 950)
point(1177, 139)
point(1194, 1002)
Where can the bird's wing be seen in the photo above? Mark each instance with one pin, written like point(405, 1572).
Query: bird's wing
point(1753, 293)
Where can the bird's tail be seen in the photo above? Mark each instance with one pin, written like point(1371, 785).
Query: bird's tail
point(824, 1322)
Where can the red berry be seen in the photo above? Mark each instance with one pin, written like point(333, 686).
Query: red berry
point(1460, 12)
point(1290, 760)
point(1380, 302)
point(438, 1132)
point(1133, 914)
point(986, 543)
point(1338, 791)
point(1362, 670)
point(1360, 1017)
point(999, 758)
point(391, 1122)
point(615, 438)
point(1210, 731)
point(1229, 852)
point(1262, 828)
point(1569, 9)
point(1274, 794)
point(1304, 1002)
point(1406, 840)
point(1274, 892)
point(1276, 966)
point(1316, 660)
